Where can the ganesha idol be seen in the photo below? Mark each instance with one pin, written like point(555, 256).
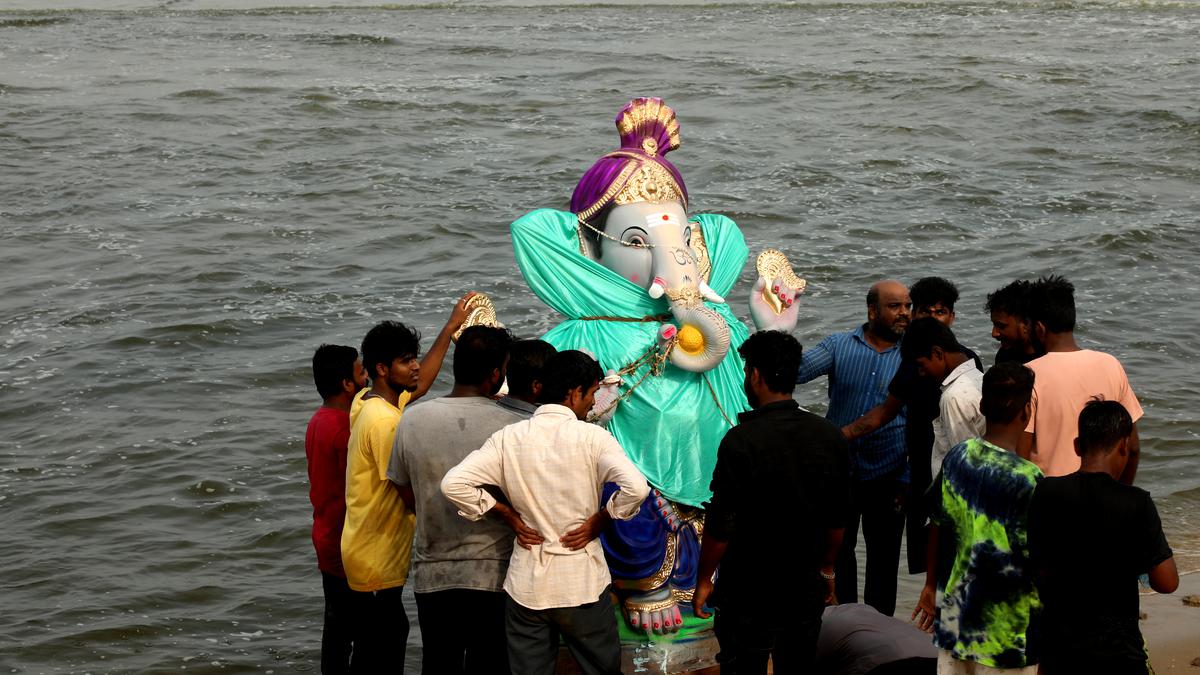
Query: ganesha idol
point(642, 285)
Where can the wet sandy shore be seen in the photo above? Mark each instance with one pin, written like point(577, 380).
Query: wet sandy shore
point(1172, 628)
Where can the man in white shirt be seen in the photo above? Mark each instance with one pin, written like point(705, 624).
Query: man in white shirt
point(552, 468)
point(932, 345)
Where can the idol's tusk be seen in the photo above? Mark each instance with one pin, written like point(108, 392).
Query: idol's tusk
point(657, 288)
point(709, 294)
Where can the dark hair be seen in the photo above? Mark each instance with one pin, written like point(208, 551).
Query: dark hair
point(479, 351)
point(776, 357)
point(388, 341)
point(923, 335)
point(1052, 302)
point(1102, 424)
point(930, 291)
point(1012, 299)
point(1007, 388)
point(526, 360)
point(565, 371)
point(332, 365)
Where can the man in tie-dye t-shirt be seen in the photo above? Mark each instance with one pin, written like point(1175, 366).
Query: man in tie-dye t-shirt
point(979, 596)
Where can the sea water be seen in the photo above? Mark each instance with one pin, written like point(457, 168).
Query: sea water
point(195, 194)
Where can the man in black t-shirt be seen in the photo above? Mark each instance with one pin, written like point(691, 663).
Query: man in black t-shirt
point(1091, 537)
point(780, 499)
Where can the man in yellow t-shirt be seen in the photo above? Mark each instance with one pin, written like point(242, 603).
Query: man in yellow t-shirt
point(378, 533)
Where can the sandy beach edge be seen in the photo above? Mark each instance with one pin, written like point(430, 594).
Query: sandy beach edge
point(1172, 628)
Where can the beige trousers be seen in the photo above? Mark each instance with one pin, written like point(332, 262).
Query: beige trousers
point(948, 665)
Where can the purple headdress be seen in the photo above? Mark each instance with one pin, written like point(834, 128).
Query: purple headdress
point(637, 172)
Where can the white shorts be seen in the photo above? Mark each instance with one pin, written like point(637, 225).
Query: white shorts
point(948, 665)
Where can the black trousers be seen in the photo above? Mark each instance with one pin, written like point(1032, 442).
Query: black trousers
point(590, 632)
point(380, 632)
point(337, 635)
point(746, 644)
point(462, 632)
point(873, 502)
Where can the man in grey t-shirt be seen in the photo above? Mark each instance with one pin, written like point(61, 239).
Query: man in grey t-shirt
point(458, 566)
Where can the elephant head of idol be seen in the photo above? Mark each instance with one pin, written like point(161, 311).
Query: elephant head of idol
point(632, 212)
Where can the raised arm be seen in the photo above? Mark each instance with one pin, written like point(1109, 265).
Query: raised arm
point(817, 361)
point(431, 363)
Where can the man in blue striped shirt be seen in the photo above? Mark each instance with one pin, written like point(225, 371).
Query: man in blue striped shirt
point(860, 365)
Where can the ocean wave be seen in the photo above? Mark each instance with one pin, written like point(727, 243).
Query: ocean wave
point(40, 22)
point(46, 16)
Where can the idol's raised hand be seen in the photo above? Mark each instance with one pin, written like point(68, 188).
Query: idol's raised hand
point(773, 300)
point(773, 305)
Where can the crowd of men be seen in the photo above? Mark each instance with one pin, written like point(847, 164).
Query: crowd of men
point(1015, 487)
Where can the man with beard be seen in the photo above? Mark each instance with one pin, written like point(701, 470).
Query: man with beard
point(458, 566)
point(860, 365)
point(1008, 308)
point(919, 399)
point(377, 536)
point(781, 469)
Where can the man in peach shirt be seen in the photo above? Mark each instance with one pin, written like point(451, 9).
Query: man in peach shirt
point(1066, 378)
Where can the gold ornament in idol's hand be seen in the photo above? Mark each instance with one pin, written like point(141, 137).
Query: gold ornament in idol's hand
point(483, 313)
point(774, 266)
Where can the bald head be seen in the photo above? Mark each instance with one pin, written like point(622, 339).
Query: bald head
point(888, 309)
point(887, 285)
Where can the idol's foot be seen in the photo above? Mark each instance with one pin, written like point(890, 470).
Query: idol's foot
point(654, 611)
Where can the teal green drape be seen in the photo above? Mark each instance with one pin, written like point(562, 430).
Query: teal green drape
point(671, 425)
